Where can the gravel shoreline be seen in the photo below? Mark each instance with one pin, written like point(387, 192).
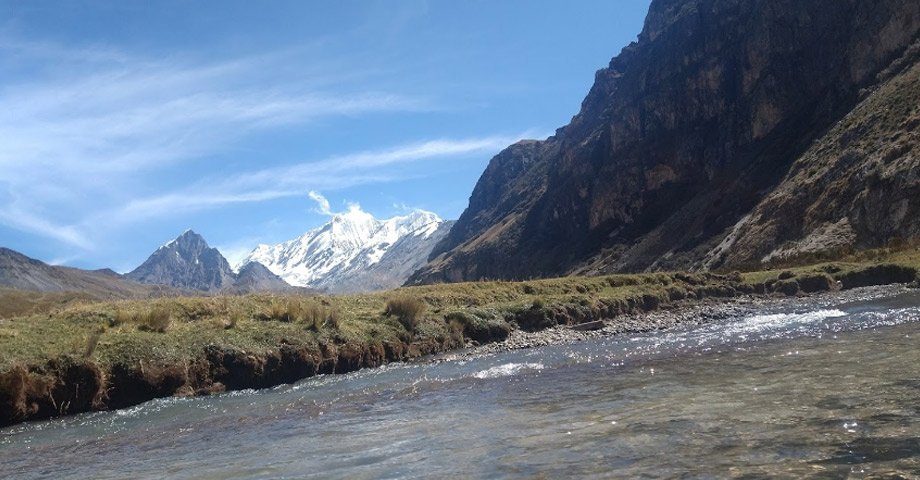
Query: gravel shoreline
point(687, 314)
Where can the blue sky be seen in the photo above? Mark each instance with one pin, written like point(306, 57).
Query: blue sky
point(124, 123)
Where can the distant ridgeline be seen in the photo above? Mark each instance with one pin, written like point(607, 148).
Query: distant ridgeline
point(353, 252)
point(731, 134)
point(186, 265)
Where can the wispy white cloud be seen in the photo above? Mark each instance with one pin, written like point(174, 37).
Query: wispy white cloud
point(343, 167)
point(321, 202)
point(95, 139)
point(139, 115)
point(403, 207)
point(86, 125)
point(30, 222)
point(302, 179)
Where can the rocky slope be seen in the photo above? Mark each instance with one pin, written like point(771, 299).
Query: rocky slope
point(189, 263)
point(186, 262)
point(255, 277)
point(692, 146)
point(20, 272)
point(355, 252)
point(855, 188)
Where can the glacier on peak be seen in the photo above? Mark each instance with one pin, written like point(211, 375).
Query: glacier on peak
point(354, 251)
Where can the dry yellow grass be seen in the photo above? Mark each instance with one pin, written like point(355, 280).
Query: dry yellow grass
point(176, 329)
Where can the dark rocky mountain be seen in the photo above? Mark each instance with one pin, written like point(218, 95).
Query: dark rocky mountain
point(189, 263)
point(731, 133)
point(20, 272)
point(186, 262)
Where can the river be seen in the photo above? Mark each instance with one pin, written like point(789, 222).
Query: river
point(826, 387)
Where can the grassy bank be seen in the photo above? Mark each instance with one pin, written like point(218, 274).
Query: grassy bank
point(103, 355)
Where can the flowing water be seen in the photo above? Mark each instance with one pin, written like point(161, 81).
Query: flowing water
point(818, 388)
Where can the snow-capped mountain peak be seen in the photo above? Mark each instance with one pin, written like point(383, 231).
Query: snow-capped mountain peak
point(339, 255)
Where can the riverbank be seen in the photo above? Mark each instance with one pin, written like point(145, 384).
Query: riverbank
point(110, 355)
point(686, 315)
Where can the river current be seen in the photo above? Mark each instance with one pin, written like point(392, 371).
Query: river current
point(827, 387)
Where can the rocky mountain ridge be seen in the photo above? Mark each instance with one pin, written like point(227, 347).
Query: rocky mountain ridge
point(705, 145)
point(189, 263)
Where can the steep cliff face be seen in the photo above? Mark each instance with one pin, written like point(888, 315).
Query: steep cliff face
point(511, 185)
point(856, 187)
point(680, 138)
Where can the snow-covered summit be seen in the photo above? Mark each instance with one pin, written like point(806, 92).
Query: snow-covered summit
point(346, 253)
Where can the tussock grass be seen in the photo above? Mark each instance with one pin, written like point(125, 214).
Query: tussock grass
point(407, 310)
point(314, 313)
point(92, 342)
point(121, 317)
point(155, 319)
